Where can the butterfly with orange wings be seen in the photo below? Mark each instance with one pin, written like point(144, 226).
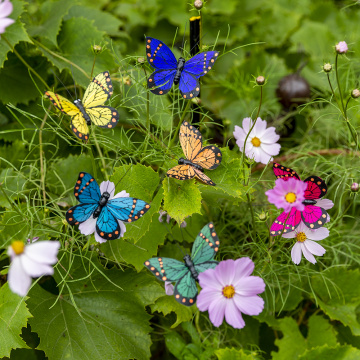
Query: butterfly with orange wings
point(198, 157)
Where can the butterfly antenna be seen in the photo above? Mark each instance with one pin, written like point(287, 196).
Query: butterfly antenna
point(197, 42)
point(63, 85)
point(72, 74)
point(121, 177)
point(183, 40)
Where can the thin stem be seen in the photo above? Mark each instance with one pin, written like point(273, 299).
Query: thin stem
point(25, 63)
point(42, 170)
point(100, 155)
point(147, 119)
point(332, 89)
point(179, 124)
point(338, 84)
point(92, 69)
point(251, 209)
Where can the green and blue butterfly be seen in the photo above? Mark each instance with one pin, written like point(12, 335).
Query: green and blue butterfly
point(185, 274)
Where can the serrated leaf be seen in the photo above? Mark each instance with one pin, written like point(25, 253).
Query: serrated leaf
point(13, 33)
point(338, 352)
point(146, 247)
point(320, 332)
point(98, 319)
point(342, 302)
point(181, 198)
point(168, 304)
point(50, 18)
point(13, 317)
point(235, 354)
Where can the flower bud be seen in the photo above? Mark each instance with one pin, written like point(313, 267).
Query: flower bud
point(355, 187)
point(341, 47)
point(327, 67)
point(141, 60)
point(97, 49)
point(355, 93)
point(126, 80)
point(226, 122)
point(198, 4)
point(260, 80)
point(262, 216)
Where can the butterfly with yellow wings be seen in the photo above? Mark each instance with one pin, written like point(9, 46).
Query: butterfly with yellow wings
point(90, 109)
point(198, 157)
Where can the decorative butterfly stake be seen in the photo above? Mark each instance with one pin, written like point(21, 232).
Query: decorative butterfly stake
point(170, 71)
point(90, 108)
point(99, 205)
point(313, 216)
point(185, 275)
point(197, 159)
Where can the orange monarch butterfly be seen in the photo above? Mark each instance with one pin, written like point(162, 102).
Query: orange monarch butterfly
point(198, 157)
point(90, 108)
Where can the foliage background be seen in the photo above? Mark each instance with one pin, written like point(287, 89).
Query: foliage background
point(101, 302)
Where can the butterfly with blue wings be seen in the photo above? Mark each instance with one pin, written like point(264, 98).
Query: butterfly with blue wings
point(170, 71)
point(103, 208)
point(185, 275)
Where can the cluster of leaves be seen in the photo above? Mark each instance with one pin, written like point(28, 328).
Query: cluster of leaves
point(101, 301)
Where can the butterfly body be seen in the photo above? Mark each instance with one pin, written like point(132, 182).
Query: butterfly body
point(313, 216)
point(183, 161)
point(179, 69)
point(80, 106)
point(185, 274)
point(102, 202)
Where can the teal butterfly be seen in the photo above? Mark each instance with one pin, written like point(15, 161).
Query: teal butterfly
point(185, 275)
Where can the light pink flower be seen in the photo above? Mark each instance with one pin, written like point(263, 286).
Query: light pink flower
point(6, 8)
point(261, 144)
point(30, 261)
point(288, 194)
point(88, 227)
point(341, 47)
point(229, 290)
point(306, 243)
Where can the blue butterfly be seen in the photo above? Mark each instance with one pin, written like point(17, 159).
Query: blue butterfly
point(169, 71)
point(102, 208)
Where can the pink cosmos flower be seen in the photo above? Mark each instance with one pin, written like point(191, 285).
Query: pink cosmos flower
point(261, 145)
point(6, 8)
point(306, 243)
point(229, 290)
point(30, 261)
point(88, 227)
point(288, 194)
point(341, 47)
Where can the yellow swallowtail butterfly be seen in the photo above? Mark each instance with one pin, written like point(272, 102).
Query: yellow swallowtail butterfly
point(90, 108)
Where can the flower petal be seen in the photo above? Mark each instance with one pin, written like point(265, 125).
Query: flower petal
point(243, 268)
point(169, 288)
point(122, 193)
point(233, 315)
point(99, 239)
point(225, 272)
point(272, 149)
point(108, 186)
point(19, 281)
point(314, 247)
point(296, 253)
point(264, 156)
point(6, 9)
point(44, 252)
point(249, 305)
point(88, 227)
point(247, 124)
point(270, 136)
point(207, 279)
point(326, 204)
point(217, 311)
point(307, 254)
point(249, 286)
point(34, 268)
point(122, 228)
point(206, 297)
point(318, 234)
point(4, 23)
point(260, 127)
point(239, 134)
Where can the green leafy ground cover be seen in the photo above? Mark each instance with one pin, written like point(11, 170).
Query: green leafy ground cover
point(101, 301)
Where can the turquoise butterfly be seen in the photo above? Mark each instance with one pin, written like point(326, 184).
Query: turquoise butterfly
point(185, 275)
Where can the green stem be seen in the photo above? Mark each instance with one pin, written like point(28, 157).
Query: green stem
point(147, 120)
point(251, 209)
point(42, 170)
point(332, 89)
point(25, 63)
point(338, 84)
point(180, 122)
point(100, 154)
point(92, 69)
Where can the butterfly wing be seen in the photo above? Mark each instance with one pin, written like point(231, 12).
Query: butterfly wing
point(79, 127)
point(87, 189)
point(103, 116)
point(206, 265)
point(189, 85)
point(291, 223)
point(62, 103)
point(313, 216)
point(316, 188)
point(283, 172)
point(80, 213)
point(201, 64)
point(107, 225)
point(209, 157)
point(204, 178)
point(161, 81)
point(185, 290)
point(206, 245)
point(190, 140)
point(127, 208)
point(166, 269)
point(99, 90)
point(181, 172)
point(159, 55)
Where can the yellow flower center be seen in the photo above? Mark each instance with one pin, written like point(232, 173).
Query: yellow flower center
point(290, 197)
point(300, 237)
point(228, 291)
point(256, 141)
point(18, 247)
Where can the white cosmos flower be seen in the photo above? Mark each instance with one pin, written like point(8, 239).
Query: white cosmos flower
point(306, 243)
point(261, 144)
point(30, 261)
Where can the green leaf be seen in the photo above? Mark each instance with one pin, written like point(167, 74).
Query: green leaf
point(50, 15)
point(14, 33)
point(146, 247)
point(338, 295)
point(181, 198)
point(168, 304)
point(235, 354)
point(320, 332)
point(13, 227)
point(12, 183)
point(175, 344)
point(13, 317)
point(331, 353)
point(102, 314)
